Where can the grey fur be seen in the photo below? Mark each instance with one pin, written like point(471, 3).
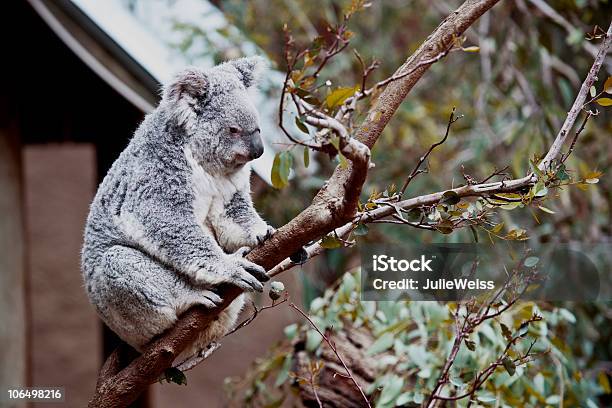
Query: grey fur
point(173, 218)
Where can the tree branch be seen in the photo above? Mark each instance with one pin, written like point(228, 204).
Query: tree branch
point(479, 189)
point(333, 206)
point(578, 105)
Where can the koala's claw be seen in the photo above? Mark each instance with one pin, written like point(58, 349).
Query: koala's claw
point(243, 251)
point(245, 274)
point(269, 232)
point(213, 297)
point(258, 272)
point(210, 299)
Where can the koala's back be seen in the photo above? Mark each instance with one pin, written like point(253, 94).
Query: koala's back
point(142, 170)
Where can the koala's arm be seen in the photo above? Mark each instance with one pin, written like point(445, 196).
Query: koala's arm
point(162, 223)
point(237, 224)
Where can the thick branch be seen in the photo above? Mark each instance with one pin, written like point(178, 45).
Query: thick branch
point(578, 103)
point(332, 207)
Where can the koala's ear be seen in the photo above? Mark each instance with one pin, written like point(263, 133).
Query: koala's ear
point(250, 69)
point(181, 95)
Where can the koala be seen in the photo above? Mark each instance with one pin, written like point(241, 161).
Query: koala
point(173, 219)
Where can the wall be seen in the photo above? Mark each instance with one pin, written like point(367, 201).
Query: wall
point(65, 332)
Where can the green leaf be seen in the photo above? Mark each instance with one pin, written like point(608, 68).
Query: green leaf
point(330, 242)
point(602, 378)
point(536, 169)
point(445, 227)
point(335, 141)
point(517, 234)
point(562, 173)
point(509, 365)
point(487, 398)
point(306, 157)
point(283, 374)
point(604, 101)
point(450, 197)
point(312, 100)
point(474, 233)
point(546, 210)
point(471, 49)
point(593, 91)
point(591, 404)
point(414, 215)
point(575, 37)
point(608, 85)
point(339, 95)
point(381, 344)
point(531, 261)
point(313, 339)
point(361, 230)
point(291, 331)
point(506, 331)
point(496, 229)
point(299, 257)
point(523, 329)
point(343, 161)
point(567, 315)
point(391, 390)
point(281, 167)
point(403, 399)
point(540, 190)
point(301, 125)
point(317, 304)
point(174, 375)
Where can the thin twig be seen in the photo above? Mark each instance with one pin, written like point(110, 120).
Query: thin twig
point(578, 132)
point(578, 104)
point(331, 345)
point(256, 312)
point(451, 119)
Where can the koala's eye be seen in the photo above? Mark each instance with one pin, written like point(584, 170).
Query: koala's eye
point(234, 130)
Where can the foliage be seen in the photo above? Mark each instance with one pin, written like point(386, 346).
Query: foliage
point(413, 340)
point(513, 94)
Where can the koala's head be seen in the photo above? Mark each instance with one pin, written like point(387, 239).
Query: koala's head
point(214, 114)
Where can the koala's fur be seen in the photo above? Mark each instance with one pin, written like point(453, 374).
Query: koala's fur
point(173, 217)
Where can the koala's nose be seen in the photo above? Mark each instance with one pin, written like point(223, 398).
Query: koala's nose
point(256, 149)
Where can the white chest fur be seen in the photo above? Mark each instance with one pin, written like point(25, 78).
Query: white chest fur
point(212, 192)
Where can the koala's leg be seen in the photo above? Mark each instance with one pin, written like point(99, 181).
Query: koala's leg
point(139, 298)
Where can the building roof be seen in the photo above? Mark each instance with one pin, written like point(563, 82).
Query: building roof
point(134, 46)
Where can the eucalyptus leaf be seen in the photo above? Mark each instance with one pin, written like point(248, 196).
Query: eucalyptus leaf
point(281, 168)
point(361, 230)
point(381, 344)
point(339, 95)
point(391, 390)
point(174, 375)
point(330, 242)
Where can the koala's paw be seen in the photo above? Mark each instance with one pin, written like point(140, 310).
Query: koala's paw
point(264, 233)
point(245, 274)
